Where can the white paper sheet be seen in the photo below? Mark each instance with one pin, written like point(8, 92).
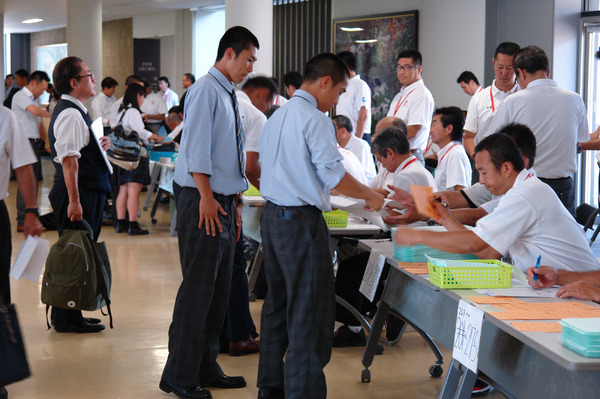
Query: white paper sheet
point(30, 259)
point(98, 130)
point(357, 207)
point(520, 292)
point(370, 281)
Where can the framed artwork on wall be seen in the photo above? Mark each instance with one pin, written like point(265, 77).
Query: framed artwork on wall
point(376, 40)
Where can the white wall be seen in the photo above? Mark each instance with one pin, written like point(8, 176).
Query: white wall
point(448, 44)
point(208, 29)
point(154, 25)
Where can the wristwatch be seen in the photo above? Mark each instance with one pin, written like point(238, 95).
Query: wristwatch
point(32, 210)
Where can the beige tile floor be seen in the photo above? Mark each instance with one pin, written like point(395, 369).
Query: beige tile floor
point(126, 362)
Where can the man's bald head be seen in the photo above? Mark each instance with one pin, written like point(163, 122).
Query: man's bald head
point(387, 122)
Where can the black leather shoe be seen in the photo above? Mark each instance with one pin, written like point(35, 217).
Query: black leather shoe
point(346, 337)
point(92, 320)
point(271, 393)
point(226, 381)
point(184, 392)
point(3, 393)
point(121, 226)
point(136, 230)
point(81, 328)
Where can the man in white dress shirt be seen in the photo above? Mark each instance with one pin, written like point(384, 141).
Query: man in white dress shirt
point(556, 116)
point(384, 177)
point(454, 168)
point(29, 113)
point(153, 109)
point(355, 102)
point(484, 104)
point(414, 104)
point(170, 98)
point(348, 140)
point(104, 100)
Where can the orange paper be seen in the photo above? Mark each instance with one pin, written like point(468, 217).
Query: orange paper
point(422, 196)
point(494, 299)
point(541, 327)
point(417, 270)
point(545, 311)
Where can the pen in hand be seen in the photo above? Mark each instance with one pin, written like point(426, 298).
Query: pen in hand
point(537, 267)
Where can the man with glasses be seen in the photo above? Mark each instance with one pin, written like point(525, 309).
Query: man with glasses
point(81, 177)
point(414, 104)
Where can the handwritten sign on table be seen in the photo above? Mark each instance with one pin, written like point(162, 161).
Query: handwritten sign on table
point(370, 280)
point(467, 335)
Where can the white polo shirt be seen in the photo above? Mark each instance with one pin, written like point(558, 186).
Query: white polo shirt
point(170, 99)
point(529, 221)
point(453, 167)
point(478, 194)
point(353, 166)
point(362, 150)
point(14, 148)
point(356, 96)
point(383, 179)
point(29, 122)
point(557, 118)
point(481, 109)
point(101, 107)
point(411, 171)
point(254, 120)
point(414, 105)
point(153, 105)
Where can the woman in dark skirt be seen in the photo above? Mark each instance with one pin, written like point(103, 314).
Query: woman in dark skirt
point(131, 182)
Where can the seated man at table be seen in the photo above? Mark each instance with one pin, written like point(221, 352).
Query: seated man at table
point(384, 177)
point(528, 221)
point(392, 150)
point(578, 285)
point(471, 203)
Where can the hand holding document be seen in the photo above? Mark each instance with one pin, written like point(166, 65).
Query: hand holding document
point(98, 130)
point(357, 207)
point(422, 196)
point(31, 259)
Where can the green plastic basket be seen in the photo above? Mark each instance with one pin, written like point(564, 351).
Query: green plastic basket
point(471, 277)
point(252, 191)
point(336, 218)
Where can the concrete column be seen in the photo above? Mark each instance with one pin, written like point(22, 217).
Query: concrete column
point(256, 15)
point(84, 33)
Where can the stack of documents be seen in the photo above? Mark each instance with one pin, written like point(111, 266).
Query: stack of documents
point(582, 336)
point(419, 253)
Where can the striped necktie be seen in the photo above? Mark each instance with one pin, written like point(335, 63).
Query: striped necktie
point(239, 134)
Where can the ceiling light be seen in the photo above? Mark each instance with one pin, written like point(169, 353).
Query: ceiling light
point(366, 41)
point(345, 29)
point(32, 21)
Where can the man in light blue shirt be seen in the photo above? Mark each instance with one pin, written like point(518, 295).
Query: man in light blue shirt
point(209, 172)
point(300, 165)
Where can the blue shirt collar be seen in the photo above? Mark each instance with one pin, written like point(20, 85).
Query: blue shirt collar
point(223, 81)
point(306, 96)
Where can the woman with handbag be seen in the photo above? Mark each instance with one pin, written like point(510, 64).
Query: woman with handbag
point(131, 182)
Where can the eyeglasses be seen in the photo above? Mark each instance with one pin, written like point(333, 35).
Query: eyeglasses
point(405, 68)
point(85, 76)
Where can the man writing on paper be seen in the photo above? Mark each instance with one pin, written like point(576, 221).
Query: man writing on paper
point(528, 221)
point(15, 150)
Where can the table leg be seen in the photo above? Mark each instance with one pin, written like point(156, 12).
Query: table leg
point(256, 266)
point(371, 348)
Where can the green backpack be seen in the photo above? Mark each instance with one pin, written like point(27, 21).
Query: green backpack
point(77, 274)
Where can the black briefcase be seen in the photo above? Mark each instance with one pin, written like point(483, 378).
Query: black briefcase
point(13, 360)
